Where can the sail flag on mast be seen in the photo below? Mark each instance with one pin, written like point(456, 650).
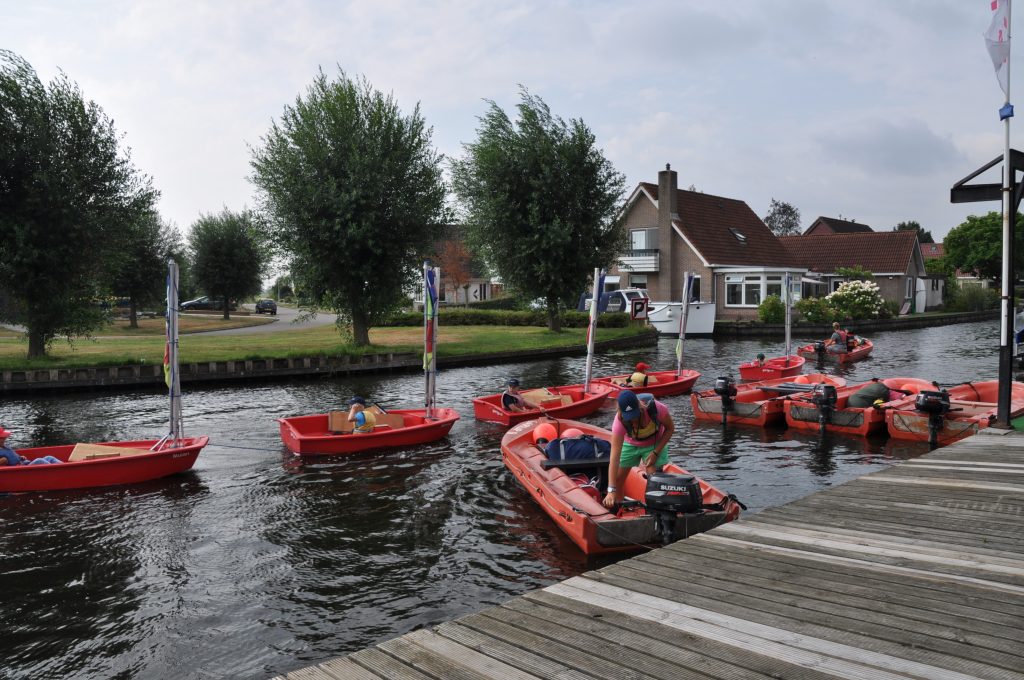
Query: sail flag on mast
point(167, 347)
point(429, 311)
point(997, 40)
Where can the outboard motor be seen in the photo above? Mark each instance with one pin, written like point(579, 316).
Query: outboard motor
point(819, 349)
point(936, 405)
point(666, 496)
point(824, 397)
point(726, 389)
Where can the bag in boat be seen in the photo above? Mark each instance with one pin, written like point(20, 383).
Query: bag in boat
point(578, 448)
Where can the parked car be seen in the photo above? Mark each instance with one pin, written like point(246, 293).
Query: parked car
point(206, 302)
point(613, 301)
point(266, 305)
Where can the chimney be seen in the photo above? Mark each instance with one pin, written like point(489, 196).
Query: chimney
point(668, 209)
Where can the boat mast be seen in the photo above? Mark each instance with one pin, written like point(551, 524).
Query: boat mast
point(171, 374)
point(592, 327)
point(789, 316)
point(430, 276)
point(683, 315)
point(1006, 330)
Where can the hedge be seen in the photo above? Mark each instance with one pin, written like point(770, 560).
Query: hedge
point(494, 317)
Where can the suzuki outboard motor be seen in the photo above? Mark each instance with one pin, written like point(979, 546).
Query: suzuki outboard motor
point(936, 405)
point(667, 495)
point(824, 397)
point(726, 389)
point(819, 349)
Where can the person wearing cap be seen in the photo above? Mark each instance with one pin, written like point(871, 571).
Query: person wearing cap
point(363, 420)
point(511, 399)
point(640, 434)
point(640, 377)
point(760, 358)
point(9, 456)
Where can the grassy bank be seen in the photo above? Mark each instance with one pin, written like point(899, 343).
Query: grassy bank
point(454, 341)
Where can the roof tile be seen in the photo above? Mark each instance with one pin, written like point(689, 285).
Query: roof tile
point(876, 251)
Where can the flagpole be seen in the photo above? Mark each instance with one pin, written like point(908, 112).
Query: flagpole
point(1006, 322)
point(789, 316)
point(592, 329)
point(429, 337)
point(683, 315)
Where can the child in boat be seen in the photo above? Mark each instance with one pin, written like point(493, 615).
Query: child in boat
point(511, 400)
point(9, 456)
point(364, 420)
point(640, 377)
point(760, 358)
point(640, 434)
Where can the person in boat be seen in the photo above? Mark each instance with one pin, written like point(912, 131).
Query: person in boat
point(640, 434)
point(511, 399)
point(760, 358)
point(639, 378)
point(9, 456)
point(837, 344)
point(363, 420)
point(874, 391)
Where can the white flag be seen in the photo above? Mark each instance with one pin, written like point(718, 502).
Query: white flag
point(997, 40)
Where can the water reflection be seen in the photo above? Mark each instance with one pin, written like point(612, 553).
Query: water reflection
point(258, 563)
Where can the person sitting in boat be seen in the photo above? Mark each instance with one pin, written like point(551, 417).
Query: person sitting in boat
point(640, 377)
point(760, 358)
point(363, 420)
point(837, 343)
point(9, 456)
point(511, 399)
point(640, 434)
point(874, 391)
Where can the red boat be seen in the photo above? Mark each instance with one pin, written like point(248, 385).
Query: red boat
point(659, 384)
point(817, 351)
point(756, 403)
point(313, 435)
point(809, 412)
point(567, 401)
point(96, 465)
point(776, 367)
point(564, 491)
point(972, 407)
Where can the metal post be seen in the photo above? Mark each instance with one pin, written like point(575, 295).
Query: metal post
point(684, 314)
point(592, 329)
point(1006, 319)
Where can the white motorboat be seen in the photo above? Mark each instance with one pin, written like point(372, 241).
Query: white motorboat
point(700, 322)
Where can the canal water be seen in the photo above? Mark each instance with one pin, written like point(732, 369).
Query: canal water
point(257, 563)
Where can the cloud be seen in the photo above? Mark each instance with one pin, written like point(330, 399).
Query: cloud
point(881, 148)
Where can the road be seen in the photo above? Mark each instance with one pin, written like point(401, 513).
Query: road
point(286, 320)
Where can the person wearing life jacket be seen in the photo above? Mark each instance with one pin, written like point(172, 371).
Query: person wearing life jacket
point(511, 399)
point(9, 456)
point(640, 377)
point(363, 420)
point(640, 434)
point(837, 343)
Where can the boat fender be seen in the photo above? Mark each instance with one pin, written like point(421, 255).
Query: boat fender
point(579, 448)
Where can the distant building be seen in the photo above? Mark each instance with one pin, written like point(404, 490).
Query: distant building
point(932, 251)
point(834, 225)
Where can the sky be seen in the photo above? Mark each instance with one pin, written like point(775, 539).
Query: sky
point(868, 110)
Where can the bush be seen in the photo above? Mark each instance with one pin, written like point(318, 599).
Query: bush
point(772, 310)
point(856, 300)
point(460, 316)
point(972, 299)
point(814, 310)
point(504, 302)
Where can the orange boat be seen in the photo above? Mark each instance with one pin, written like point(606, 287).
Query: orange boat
point(566, 401)
point(946, 416)
point(324, 433)
point(664, 383)
point(776, 367)
point(822, 410)
point(568, 493)
point(816, 350)
point(756, 403)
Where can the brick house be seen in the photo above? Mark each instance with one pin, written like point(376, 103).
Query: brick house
point(835, 225)
point(736, 258)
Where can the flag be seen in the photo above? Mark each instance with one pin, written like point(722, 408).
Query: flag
point(997, 40)
point(429, 309)
point(679, 349)
point(167, 363)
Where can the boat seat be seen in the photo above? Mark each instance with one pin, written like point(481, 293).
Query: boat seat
point(575, 463)
point(787, 388)
point(97, 451)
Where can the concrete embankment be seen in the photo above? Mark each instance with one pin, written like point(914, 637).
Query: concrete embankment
point(749, 329)
point(135, 376)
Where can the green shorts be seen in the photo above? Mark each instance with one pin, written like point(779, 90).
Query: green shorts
point(632, 455)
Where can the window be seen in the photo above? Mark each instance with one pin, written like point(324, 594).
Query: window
point(638, 280)
point(910, 286)
point(752, 290)
point(749, 290)
point(773, 286)
point(734, 290)
point(695, 288)
point(482, 293)
point(643, 239)
point(836, 283)
point(738, 234)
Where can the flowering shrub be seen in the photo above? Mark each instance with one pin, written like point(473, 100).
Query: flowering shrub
point(856, 300)
point(814, 310)
point(772, 310)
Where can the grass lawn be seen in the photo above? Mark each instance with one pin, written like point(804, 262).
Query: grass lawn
point(453, 341)
point(186, 324)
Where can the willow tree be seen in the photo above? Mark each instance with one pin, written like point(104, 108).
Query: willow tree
point(67, 194)
point(542, 203)
point(228, 256)
point(353, 190)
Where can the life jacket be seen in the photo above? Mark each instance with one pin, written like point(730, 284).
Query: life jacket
point(369, 422)
point(638, 379)
point(648, 431)
point(844, 337)
point(584, 447)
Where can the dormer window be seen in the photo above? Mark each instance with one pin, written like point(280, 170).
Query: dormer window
point(739, 236)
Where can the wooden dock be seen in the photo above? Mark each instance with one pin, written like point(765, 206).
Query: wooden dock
point(915, 571)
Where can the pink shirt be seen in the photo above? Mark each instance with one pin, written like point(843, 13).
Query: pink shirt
point(619, 428)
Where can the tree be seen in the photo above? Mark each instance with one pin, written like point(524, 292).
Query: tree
point(141, 270)
point(783, 219)
point(855, 273)
point(229, 254)
point(456, 265)
point(66, 193)
point(923, 235)
point(976, 245)
point(542, 203)
point(355, 193)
